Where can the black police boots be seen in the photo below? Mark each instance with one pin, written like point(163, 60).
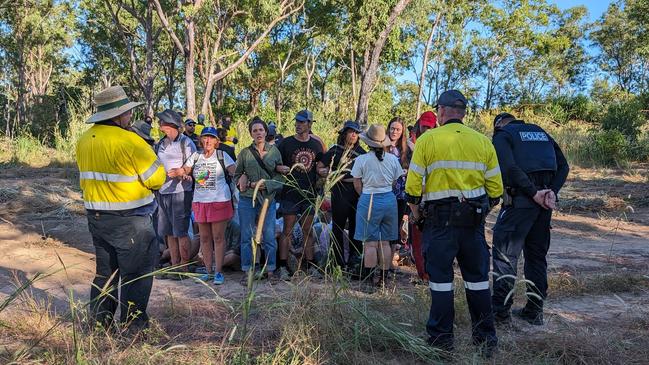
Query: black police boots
point(503, 318)
point(532, 317)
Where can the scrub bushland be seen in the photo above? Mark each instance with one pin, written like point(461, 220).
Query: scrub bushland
point(588, 139)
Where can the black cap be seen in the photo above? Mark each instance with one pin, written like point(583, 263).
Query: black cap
point(502, 116)
point(170, 117)
point(452, 98)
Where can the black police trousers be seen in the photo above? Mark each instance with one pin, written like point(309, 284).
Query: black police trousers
point(125, 250)
point(442, 244)
point(526, 228)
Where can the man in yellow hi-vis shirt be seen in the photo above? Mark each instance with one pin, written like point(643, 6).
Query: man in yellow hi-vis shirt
point(231, 137)
point(118, 171)
point(454, 171)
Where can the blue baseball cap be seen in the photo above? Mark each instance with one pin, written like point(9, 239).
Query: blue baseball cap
point(209, 131)
point(304, 116)
point(350, 125)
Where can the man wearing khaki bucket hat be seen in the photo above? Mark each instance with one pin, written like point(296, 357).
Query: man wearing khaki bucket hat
point(118, 171)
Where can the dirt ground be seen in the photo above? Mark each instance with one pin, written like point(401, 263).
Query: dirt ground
point(601, 227)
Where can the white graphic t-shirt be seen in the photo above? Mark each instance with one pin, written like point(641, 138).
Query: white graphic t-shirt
point(210, 178)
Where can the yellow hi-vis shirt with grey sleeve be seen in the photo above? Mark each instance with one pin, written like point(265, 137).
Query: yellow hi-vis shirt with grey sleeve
point(117, 169)
point(455, 161)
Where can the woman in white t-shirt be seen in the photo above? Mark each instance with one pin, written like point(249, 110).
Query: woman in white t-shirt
point(212, 204)
point(376, 214)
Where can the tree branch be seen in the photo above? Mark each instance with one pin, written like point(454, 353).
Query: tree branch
point(167, 27)
point(135, 73)
point(288, 9)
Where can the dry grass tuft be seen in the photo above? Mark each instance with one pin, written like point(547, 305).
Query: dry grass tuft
point(565, 284)
point(607, 343)
point(316, 324)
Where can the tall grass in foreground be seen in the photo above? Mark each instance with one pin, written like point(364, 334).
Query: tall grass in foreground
point(304, 325)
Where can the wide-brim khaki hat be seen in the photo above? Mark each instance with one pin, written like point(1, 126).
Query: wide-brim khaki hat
point(111, 102)
point(376, 136)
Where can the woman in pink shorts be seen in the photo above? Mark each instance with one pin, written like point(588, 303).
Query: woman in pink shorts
point(212, 204)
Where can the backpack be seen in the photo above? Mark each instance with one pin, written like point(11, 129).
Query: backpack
point(183, 146)
point(228, 178)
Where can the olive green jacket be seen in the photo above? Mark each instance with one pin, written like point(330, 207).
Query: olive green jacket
point(248, 165)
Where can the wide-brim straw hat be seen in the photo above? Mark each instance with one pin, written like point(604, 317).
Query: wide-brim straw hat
point(376, 136)
point(111, 102)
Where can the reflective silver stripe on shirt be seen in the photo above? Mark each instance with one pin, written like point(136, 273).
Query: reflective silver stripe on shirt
point(457, 165)
point(118, 205)
point(102, 176)
point(418, 169)
point(480, 285)
point(493, 172)
point(150, 171)
point(475, 193)
point(440, 286)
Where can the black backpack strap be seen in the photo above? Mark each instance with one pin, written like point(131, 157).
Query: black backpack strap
point(219, 156)
point(261, 163)
point(156, 147)
point(228, 178)
point(183, 144)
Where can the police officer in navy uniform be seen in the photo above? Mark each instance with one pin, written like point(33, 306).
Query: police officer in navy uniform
point(533, 169)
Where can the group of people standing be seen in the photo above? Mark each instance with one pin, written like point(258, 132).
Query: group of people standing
point(440, 181)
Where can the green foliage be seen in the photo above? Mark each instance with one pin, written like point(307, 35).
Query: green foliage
point(621, 34)
point(606, 148)
point(556, 112)
point(639, 149)
point(26, 148)
point(578, 107)
point(625, 117)
point(33, 35)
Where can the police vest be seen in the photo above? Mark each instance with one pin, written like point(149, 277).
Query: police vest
point(532, 147)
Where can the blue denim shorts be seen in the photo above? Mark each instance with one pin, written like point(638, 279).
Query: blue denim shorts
point(382, 223)
point(174, 213)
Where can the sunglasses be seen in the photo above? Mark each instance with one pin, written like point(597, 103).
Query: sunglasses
point(191, 124)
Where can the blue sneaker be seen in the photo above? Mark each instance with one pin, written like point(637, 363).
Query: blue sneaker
point(218, 278)
point(205, 277)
